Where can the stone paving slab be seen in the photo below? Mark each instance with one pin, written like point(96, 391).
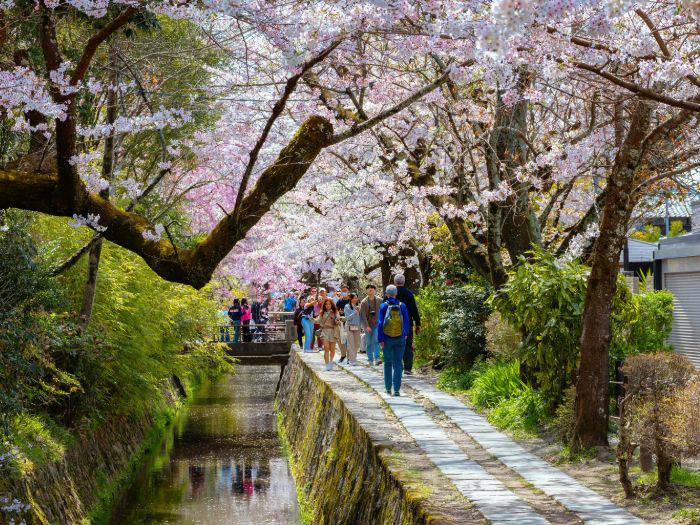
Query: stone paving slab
point(492, 498)
point(586, 503)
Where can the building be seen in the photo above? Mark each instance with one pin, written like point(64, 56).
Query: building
point(677, 269)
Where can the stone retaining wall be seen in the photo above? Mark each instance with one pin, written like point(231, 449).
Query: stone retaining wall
point(344, 476)
point(91, 473)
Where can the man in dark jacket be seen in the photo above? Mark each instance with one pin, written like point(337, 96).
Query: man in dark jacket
point(406, 297)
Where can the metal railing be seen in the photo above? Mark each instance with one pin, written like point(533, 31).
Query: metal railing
point(272, 332)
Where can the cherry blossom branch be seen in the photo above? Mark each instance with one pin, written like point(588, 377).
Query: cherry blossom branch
point(367, 124)
point(655, 32)
point(646, 93)
point(277, 110)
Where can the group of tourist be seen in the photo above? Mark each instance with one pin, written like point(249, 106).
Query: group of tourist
point(381, 328)
point(238, 316)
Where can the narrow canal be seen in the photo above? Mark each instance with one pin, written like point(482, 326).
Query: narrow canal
point(221, 461)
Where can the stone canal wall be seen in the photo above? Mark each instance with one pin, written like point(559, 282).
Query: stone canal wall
point(82, 485)
point(345, 474)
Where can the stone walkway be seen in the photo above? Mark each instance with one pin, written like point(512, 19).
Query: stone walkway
point(491, 497)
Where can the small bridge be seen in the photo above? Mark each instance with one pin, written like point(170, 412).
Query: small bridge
point(261, 344)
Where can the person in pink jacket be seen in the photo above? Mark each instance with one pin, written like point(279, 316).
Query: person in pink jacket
point(246, 316)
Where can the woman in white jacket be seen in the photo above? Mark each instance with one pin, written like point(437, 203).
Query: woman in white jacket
point(353, 326)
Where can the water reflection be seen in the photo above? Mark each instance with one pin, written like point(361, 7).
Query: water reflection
point(222, 462)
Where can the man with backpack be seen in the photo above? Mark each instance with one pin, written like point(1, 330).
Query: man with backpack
point(406, 297)
point(393, 326)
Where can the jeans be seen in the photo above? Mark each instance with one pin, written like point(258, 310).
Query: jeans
point(408, 353)
point(236, 331)
point(308, 326)
point(300, 335)
point(393, 362)
point(372, 345)
point(224, 336)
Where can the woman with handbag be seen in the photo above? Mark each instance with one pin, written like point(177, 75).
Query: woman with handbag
point(353, 325)
point(307, 323)
point(329, 322)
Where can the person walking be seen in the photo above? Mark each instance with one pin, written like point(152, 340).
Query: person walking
point(235, 313)
point(298, 312)
point(340, 304)
point(392, 329)
point(329, 321)
point(246, 316)
point(405, 296)
point(320, 299)
point(369, 312)
point(307, 323)
point(353, 326)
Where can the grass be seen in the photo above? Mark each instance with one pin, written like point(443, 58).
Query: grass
point(689, 516)
point(679, 476)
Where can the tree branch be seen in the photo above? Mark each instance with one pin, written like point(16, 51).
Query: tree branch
point(95, 40)
point(277, 109)
point(367, 124)
point(35, 191)
point(649, 94)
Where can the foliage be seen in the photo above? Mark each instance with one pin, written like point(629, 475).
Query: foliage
point(660, 411)
point(502, 340)
point(447, 265)
point(494, 383)
point(511, 405)
point(426, 344)
point(520, 413)
point(545, 297)
point(648, 326)
point(56, 376)
point(564, 417)
point(651, 233)
point(462, 331)
point(452, 325)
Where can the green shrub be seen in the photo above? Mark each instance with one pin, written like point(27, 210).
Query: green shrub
point(502, 340)
point(494, 383)
point(545, 298)
point(647, 326)
point(522, 412)
point(426, 344)
point(462, 330)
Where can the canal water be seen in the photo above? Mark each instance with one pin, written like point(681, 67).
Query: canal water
point(220, 463)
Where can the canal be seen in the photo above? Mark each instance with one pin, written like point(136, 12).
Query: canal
point(220, 462)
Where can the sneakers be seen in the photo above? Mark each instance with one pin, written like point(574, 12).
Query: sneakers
point(408, 372)
point(329, 366)
point(397, 394)
point(342, 358)
point(388, 392)
point(378, 362)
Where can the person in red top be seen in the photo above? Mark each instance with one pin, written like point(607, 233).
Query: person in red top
point(246, 316)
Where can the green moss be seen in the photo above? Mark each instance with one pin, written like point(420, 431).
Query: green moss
point(307, 512)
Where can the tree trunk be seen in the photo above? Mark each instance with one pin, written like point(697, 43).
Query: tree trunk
point(90, 284)
point(646, 458)
point(624, 452)
point(592, 389)
point(107, 169)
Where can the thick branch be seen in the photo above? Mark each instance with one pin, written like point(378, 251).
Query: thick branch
point(194, 267)
point(277, 109)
